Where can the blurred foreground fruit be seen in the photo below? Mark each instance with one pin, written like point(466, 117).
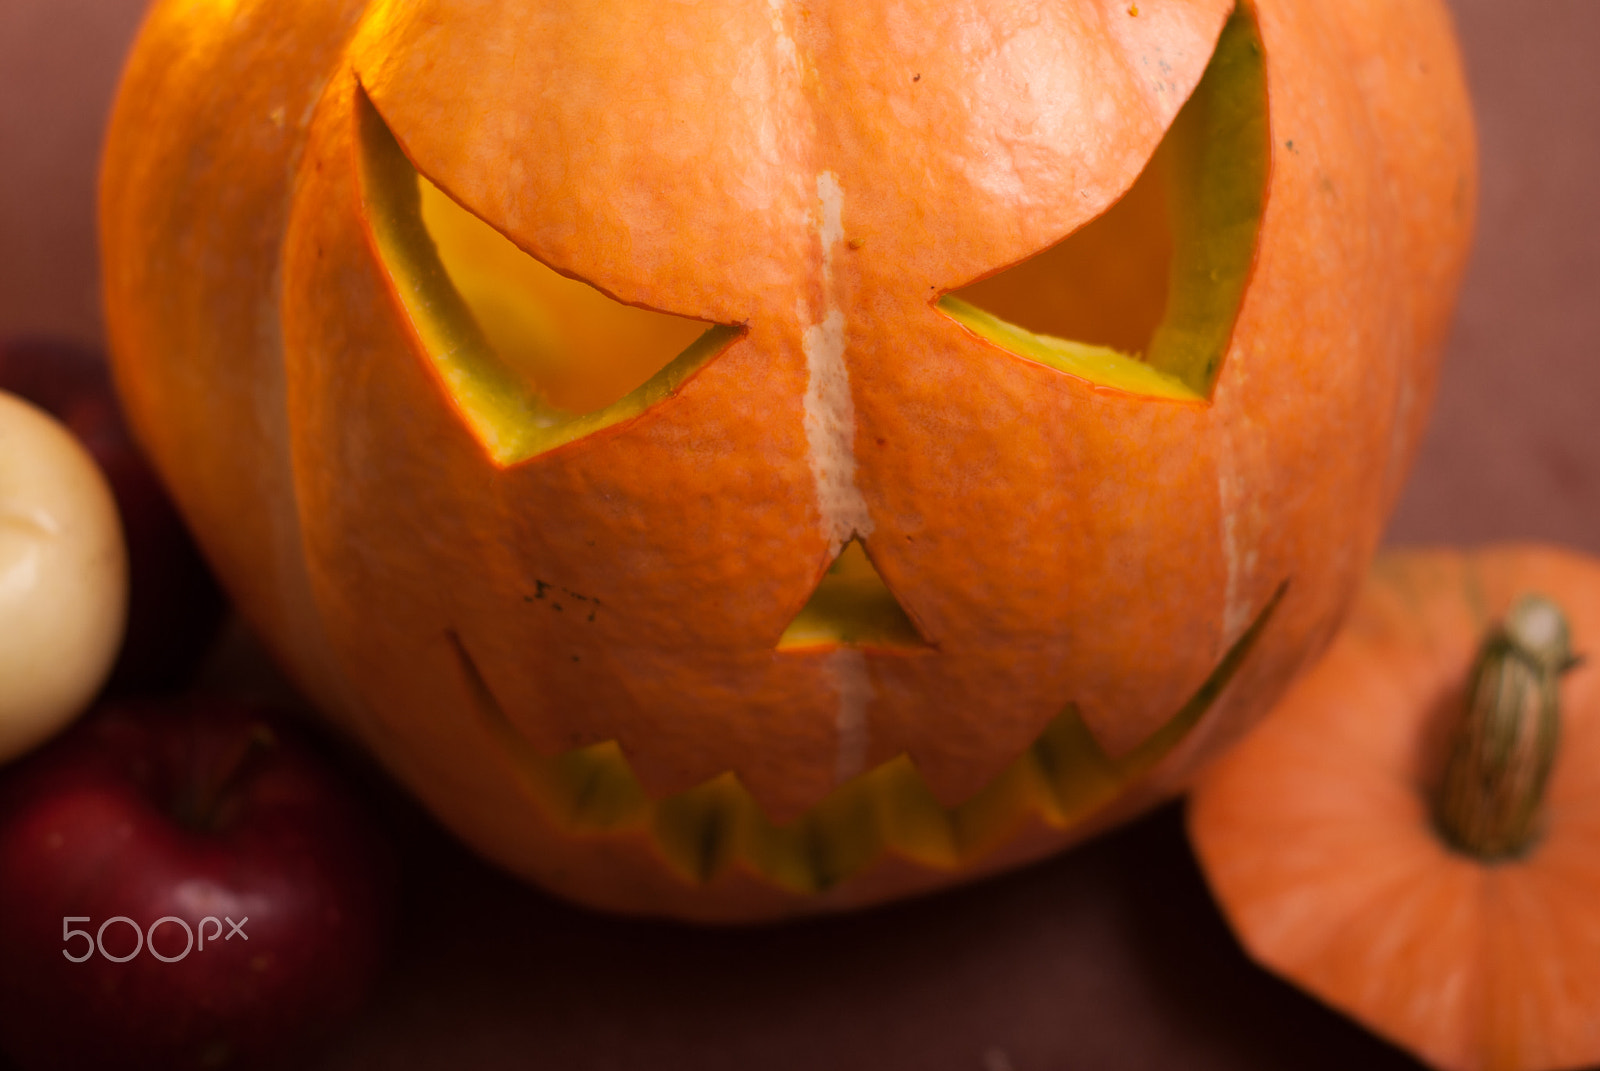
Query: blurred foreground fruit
point(63, 577)
point(174, 605)
point(1413, 835)
point(182, 885)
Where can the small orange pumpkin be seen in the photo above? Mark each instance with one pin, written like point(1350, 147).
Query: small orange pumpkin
point(1379, 839)
point(733, 459)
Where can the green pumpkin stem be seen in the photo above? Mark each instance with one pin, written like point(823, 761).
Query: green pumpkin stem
point(1490, 800)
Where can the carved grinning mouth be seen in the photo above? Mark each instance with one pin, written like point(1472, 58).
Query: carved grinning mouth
point(1063, 779)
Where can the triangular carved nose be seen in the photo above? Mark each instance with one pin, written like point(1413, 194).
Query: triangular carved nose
point(853, 607)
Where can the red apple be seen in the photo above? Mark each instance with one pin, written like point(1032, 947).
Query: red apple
point(174, 605)
point(182, 885)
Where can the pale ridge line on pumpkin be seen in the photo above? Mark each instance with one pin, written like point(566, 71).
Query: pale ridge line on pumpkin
point(830, 425)
point(1399, 433)
point(830, 227)
point(830, 418)
point(852, 681)
point(786, 46)
point(1236, 611)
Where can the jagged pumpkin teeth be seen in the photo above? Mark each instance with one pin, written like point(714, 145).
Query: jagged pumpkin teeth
point(1062, 780)
point(734, 459)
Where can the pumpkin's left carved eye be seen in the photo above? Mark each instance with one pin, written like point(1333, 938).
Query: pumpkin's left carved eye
point(532, 358)
point(1144, 298)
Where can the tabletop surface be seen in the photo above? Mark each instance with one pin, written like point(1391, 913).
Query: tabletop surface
point(1110, 957)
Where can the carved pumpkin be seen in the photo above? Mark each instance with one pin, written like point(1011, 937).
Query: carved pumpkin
point(735, 459)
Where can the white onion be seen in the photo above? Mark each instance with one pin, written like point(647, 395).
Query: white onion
point(63, 577)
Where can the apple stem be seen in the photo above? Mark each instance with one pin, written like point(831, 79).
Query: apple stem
point(208, 805)
point(1490, 800)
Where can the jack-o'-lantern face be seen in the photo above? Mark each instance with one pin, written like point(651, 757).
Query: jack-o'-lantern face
point(792, 447)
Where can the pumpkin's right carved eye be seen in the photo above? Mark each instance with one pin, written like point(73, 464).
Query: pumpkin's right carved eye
point(532, 358)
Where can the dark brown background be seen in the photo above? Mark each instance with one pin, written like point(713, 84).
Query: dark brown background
point(1111, 957)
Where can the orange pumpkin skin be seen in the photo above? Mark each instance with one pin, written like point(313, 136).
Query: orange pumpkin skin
point(1317, 836)
point(1056, 542)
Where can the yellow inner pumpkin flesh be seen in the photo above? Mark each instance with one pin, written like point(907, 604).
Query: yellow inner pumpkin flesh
point(501, 397)
point(851, 605)
point(1212, 165)
point(580, 348)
